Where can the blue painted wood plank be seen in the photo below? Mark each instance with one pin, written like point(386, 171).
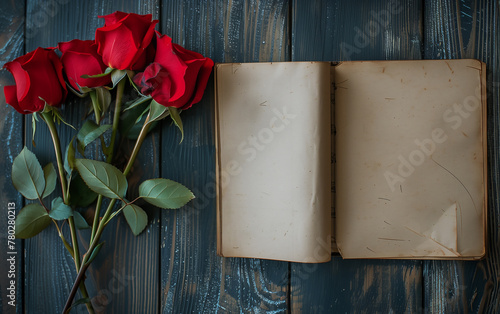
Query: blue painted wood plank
point(469, 29)
point(124, 277)
point(194, 278)
point(12, 24)
point(356, 30)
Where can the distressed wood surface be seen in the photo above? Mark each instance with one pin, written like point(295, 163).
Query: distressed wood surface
point(172, 267)
point(469, 29)
point(124, 278)
point(356, 30)
point(194, 278)
point(12, 21)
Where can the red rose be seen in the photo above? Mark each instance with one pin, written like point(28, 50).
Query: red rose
point(123, 40)
point(80, 57)
point(38, 76)
point(177, 77)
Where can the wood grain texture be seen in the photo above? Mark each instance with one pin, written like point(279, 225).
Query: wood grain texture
point(11, 140)
point(124, 277)
point(356, 30)
point(172, 267)
point(469, 29)
point(194, 278)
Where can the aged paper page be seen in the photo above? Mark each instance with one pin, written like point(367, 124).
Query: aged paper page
point(273, 143)
point(410, 149)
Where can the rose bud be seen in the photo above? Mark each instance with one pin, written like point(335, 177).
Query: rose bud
point(80, 57)
point(178, 76)
point(39, 80)
point(124, 38)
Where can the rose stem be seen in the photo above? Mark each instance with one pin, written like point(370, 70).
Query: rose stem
point(96, 106)
point(48, 118)
point(109, 157)
point(116, 119)
point(107, 214)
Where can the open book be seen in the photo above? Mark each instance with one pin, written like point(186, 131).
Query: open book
point(373, 159)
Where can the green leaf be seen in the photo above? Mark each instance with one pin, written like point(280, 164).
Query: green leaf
point(157, 111)
point(50, 175)
point(60, 211)
point(136, 218)
point(175, 115)
point(27, 175)
point(89, 132)
point(84, 89)
point(56, 115)
point(102, 178)
point(31, 220)
point(81, 92)
point(135, 130)
point(117, 76)
point(79, 193)
point(94, 253)
point(69, 158)
point(137, 102)
point(132, 119)
point(80, 222)
point(34, 120)
point(96, 106)
point(165, 193)
point(106, 72)
point(103, 98)
point(130, 74)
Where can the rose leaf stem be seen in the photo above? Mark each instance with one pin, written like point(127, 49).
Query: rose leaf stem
point(48, 118)
point(116, 119)
point(110, 150)
point(97, 217)
point(96, 232)
point(96, 106)
point(107, 214)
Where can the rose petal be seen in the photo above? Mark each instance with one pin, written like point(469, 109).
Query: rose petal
point(11, 98)
point(21, 77)
point(45, 81)
point(144, 45)
point(78, 64)
point(58, 67)
point(172, 64)
point(113, 18)
point(201, 82)
point(116, 47)
point(124, 38)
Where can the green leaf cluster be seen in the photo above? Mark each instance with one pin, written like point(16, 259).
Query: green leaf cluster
point(107, 180)
point(88, 178)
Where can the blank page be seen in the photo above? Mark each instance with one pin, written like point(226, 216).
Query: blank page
point(410, 149)
point(273, 160)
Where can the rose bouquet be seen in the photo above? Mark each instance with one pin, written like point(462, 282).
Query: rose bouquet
point(127, 55)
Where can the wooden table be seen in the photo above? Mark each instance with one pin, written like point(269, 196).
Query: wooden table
point(172, 266)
